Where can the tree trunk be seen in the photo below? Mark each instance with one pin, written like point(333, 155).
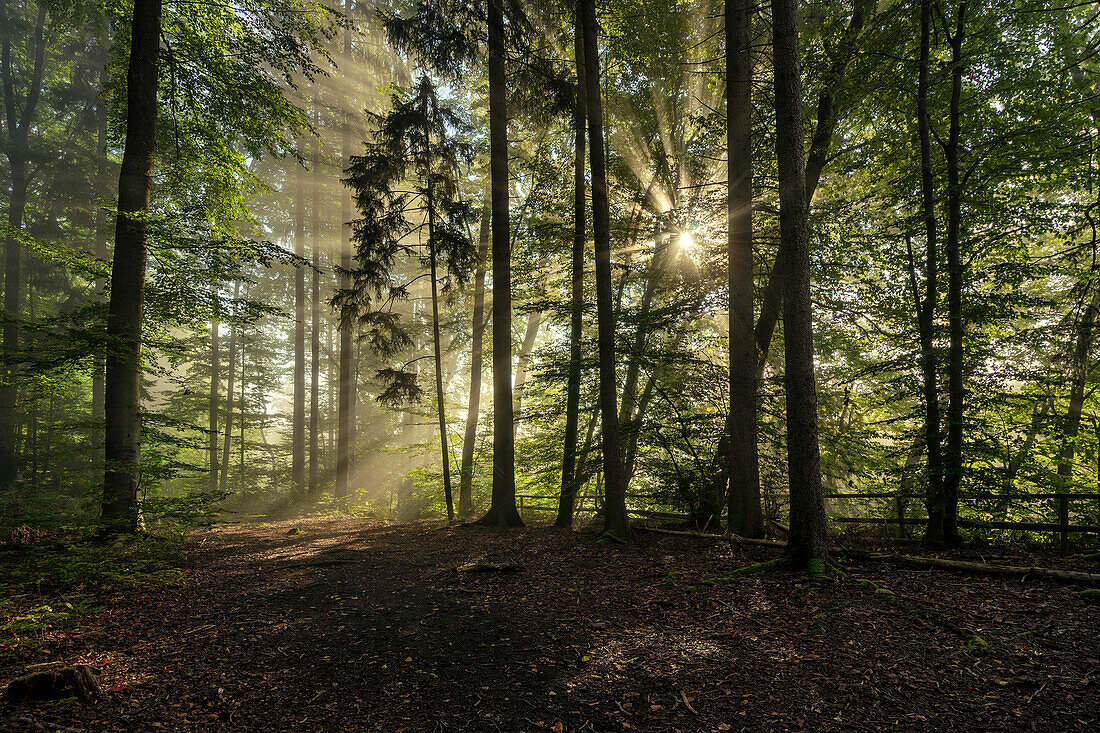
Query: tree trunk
point(502, 511)
point(772, 298)
point(17, 131)
point(438, 350)
point(568, 498)
point(744, 517)
point(230, 376)
point(952, 473)
point(315, 332)
point(102, 232)
point(298, 416)
point(807, 542)
point(534, 320)
point(616, 521)
point(469, 440)
point(926, 308)
point(347, 347)
point(121, 511)
point(215, 356)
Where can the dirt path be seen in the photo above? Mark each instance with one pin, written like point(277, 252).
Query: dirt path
point(347, 626)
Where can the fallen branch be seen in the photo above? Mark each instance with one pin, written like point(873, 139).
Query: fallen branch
point(1064, 576)
point(490, 567)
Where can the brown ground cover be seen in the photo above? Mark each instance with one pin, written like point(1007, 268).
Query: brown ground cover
point(348, 625)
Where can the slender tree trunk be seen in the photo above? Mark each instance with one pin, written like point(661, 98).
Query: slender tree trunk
point(1079, 373)
point(298, 418)
point(215, 377)
point(438, 350)
point(230, 376)
point(616, 521)
point(9, 441)
point(926, 308)
point(347, 350)
point(102, 232)
point(120, 511)
point(952, 473)
point(502, 511)
point(745, 517)
point(568, 498)
point(807, 542)
point(534, 320)
point(315, 333)
point(466, 472)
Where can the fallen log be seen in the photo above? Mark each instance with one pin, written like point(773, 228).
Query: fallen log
point(1064, 576)
point(489, 567)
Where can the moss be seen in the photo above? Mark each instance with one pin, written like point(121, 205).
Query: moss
point(1091, 594)
point(976, 643)
point(816, 568)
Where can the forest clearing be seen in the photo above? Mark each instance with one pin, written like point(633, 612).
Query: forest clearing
point(360, 625)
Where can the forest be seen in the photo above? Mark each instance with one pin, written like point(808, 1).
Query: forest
point(559, 365)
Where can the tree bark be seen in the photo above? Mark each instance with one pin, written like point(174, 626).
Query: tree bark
point(298, 418)
point(215, 356)
point(926, 307)
point(807, 542)
point(502, 510)
point(469, 441)
point(315, 332)
point(567, 499)
point(438, 351)
point(231, 374)
point(120, 510)
point(534, 320)
point(616, 521)
point(744, 517)
point(347, 347)
point(952, 473)
point(17, 128)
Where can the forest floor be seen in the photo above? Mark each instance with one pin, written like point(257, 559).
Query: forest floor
point(349, 625)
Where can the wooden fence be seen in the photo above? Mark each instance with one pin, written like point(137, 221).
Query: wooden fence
point(1060, 527)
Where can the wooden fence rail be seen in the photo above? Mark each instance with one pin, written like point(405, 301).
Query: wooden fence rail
point(1061, 528)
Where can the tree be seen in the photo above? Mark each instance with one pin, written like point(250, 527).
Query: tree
point(616, 521)
point(808, 542)
point(502, 509)
point(121, 511)
point(466, 471)
point(744, 514)
point(298, 419)
point(415, 145)
point(18, 119)
point(568, 494)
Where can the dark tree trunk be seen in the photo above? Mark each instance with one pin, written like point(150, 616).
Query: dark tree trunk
point(298, 419)
point(17, 130)
point(315, 333)
point(469, 440)
point(568, 498)
point(772, 298)
point(1079, 372)
point(616, 521)
point(215, 357)
point(121, 511)
point(952, 473)
point(807, 542)
point(502, 511)
point(926, 308)
point(744, 517)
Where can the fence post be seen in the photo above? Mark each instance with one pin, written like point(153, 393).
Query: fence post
point(1063, 522)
